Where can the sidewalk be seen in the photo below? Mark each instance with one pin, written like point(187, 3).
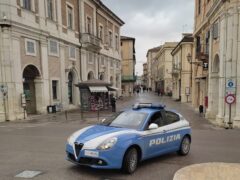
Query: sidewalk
point(209, 171)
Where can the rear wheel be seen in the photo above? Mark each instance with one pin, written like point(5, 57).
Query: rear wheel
point(130, 161)
point(185, 146)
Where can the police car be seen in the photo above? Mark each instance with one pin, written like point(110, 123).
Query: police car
point(129, 137)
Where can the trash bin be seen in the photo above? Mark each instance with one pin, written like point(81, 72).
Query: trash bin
point(51, 109)
point(54, 109)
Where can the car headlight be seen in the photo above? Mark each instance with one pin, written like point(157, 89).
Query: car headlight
point(109, 143)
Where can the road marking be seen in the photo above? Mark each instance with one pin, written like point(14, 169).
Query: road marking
point(28, 174)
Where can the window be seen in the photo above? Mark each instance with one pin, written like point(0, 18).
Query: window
point(215, 31)
point(110, 38)
point(50, 10)
point(156, 119)
point(90, 57)
point(111, 63)
point(27, 4)
point(199, 6)
point(198, 45)
point(100, 32)
point(171, 117)
point(89, 25)
point(72, 52)
point(30, 47)
point(102, 60)
point(53, 48)
point(116, 42)
point(54, 89)
point(69, 17)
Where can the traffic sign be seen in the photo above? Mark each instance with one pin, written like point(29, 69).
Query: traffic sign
point(230, 99)
point(230, 83)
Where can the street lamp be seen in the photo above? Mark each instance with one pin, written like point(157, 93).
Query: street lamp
point(189, 59)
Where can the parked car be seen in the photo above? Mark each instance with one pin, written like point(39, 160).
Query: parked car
point(129, 137)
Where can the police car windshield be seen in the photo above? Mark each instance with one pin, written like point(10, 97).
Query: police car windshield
point(128, 119)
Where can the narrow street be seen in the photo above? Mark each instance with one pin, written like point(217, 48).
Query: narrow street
point(40, 145)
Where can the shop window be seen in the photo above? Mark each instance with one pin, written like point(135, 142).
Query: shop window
point(30, 47)
point(54, 89)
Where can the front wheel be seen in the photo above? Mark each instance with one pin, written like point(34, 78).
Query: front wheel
point(130, 161)
point(185, 146)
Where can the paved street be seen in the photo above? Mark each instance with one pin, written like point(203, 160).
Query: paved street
point(40, 145)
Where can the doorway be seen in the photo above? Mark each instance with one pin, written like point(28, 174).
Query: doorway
point(30, 73)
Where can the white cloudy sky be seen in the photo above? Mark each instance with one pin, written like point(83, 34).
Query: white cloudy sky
point(153, 22)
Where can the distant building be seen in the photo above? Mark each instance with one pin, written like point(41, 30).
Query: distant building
point(152, 67)
point(163, 79)
point(145, 75)
point(182, 69)
point(128, 65)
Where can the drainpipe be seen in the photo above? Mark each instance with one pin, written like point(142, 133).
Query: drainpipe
point(80, 48)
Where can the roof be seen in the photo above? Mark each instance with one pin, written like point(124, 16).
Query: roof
point(155, 49)
point(127, 38)
point(186, 38)
point(93, 82)
point(108, 11)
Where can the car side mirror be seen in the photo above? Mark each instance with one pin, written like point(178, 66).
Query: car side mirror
point(153, 126)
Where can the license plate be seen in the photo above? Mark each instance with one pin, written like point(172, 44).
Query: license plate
point(91, 153)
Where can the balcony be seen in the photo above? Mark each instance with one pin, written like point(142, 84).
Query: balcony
point(129, 78)
point(201, 56)
point(90, 42)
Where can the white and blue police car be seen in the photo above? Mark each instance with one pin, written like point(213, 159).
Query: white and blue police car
point(129, 137)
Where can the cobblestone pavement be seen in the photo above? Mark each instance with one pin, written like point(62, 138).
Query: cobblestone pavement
point(39, 144)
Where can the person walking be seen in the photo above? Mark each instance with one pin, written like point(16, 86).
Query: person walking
point(113, 103)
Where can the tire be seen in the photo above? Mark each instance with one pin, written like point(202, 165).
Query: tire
point(130, 161)
point(185, 146)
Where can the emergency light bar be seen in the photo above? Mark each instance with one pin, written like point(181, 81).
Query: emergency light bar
point(148, 105)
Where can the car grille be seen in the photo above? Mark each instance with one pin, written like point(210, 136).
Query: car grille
point(78, 147)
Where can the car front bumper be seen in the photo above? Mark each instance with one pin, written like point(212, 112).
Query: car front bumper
point(100, 159)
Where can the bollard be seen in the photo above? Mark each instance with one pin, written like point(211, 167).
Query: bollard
point(66, 116)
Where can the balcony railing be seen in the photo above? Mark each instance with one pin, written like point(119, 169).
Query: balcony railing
point(90, 41)
point(129, 78)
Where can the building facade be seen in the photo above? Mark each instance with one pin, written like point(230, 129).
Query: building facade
point(128, 65)
point(164, 68)
point(217, 44)
point(48, 46)
point(145, 75)
point(182, 69)
point(152, 67)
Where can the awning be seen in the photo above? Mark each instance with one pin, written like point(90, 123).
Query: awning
point(111, 88)
point(98, 89)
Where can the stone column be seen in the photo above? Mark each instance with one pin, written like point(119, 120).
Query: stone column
point(210, 114)
point(63, 76)
point(222, 69)
point(45, 77)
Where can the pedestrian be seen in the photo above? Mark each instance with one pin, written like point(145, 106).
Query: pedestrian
point(158, 92)
point(113, 103)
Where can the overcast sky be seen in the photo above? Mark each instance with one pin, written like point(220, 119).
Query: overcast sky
point(153, 22)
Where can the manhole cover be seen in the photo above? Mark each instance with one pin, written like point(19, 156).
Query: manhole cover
point(28, 174)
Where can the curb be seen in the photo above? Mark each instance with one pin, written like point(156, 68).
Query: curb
point(209, 171)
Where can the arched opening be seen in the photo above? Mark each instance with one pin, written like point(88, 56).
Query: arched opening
point(30, 73)
point(70, 88)
point(101, 77)
point(90, 75)
point(111, 80)
point(215, 65)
